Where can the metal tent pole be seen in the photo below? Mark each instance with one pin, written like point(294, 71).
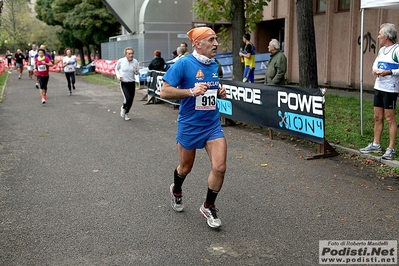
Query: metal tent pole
point(361, 71)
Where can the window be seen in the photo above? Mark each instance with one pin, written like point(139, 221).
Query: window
point(344, 4)
point(321, 6)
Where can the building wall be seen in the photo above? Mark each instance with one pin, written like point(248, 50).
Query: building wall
point(115, 50)
point(163, 24)
point(154, 24)
point(337, 42)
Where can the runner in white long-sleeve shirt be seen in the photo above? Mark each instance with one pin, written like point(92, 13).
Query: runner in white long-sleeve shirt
point(125, 69)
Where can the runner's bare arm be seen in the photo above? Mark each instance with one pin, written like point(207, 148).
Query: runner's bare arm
point(170, 92)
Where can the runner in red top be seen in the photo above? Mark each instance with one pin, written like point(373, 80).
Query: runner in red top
point(42, 64)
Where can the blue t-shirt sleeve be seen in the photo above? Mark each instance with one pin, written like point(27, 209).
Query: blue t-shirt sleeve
point(174, 75)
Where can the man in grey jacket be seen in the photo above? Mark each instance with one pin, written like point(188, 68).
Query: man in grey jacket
point(277, 65)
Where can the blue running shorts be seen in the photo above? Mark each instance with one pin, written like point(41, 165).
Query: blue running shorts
point(194, 137)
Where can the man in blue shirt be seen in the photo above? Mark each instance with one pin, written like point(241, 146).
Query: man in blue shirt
point(194, 80)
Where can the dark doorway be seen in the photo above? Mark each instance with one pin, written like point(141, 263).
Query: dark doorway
point(267, 30)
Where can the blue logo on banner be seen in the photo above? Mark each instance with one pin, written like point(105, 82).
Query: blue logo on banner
point(301, 123)
point(225, 107)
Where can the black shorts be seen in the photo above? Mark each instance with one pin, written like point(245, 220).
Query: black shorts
point(386, 100)
point(43, 81)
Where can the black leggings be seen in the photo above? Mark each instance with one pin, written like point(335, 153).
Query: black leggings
point(128, 90)
point(70, 76)
point(43, 81)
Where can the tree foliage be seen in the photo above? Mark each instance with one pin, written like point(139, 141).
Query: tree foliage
point(217, 10)
point(87, 21)
point(20, 28)
point(243, 15)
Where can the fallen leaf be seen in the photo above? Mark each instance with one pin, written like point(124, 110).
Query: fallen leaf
point(263, 164)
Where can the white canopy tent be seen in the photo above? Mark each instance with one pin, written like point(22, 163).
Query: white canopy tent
point(368, 4)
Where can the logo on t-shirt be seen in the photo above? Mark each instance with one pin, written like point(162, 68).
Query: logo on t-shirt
point(200, 75)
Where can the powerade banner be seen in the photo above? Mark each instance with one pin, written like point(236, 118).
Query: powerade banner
point(295, 111)
point(291, 110)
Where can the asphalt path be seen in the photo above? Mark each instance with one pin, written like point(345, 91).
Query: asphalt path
point(81, 186)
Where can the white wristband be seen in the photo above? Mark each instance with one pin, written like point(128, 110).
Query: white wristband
point(192, 93)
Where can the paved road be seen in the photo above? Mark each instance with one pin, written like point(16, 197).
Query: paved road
point(80, 186)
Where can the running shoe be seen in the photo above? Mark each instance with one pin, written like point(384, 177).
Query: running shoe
point(123, 111)
point(37, 85)
point(389, 154)
point(127, 118)
point(43, 100)
point(210, 215)
point(70, 93)
point(371, 148)
point(19, 77)
point(176, 202)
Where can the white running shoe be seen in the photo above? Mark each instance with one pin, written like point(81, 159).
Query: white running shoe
point(371, 148)
point(123, 112)
point(177, 203)
point(210, 215)
point(127, 118)
point(389, 154)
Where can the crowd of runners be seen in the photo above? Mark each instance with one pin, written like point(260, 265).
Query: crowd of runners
point(38, 62)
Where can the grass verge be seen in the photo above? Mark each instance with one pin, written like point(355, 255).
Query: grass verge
point(101, 79)
point(342, 127)
point(3, 80)
point(342, 122)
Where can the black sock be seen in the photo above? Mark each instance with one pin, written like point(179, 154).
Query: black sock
point(178, 179)
point(210, 197)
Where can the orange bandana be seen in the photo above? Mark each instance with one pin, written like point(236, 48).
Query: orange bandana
point(197, 34)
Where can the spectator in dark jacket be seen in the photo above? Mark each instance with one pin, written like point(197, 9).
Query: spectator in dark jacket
point(158, 63)
point(277, 65)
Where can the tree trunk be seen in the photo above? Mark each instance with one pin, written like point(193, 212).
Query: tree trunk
point(306, 44)
point(238, 30)
point(82, 55)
